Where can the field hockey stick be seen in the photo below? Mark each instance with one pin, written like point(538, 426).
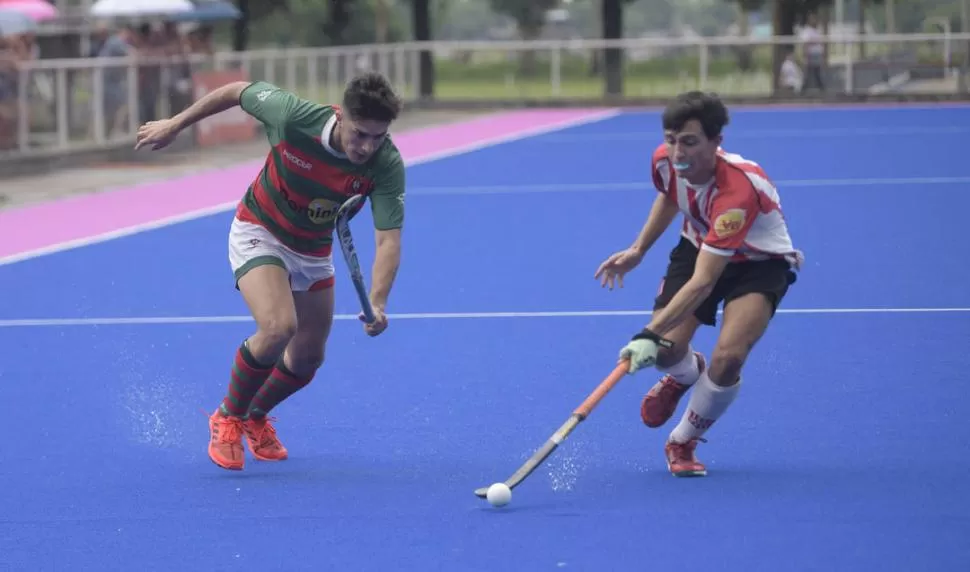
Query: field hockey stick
point(344, 214)
point(579, 414)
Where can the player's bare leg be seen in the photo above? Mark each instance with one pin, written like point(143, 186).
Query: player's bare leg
point(266, 290)
point(745, 320)
point(303, 356)
point(682, 367)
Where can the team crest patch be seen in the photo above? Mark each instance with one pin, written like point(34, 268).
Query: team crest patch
point(358, 186)
point(322, 211)
point(729, 222)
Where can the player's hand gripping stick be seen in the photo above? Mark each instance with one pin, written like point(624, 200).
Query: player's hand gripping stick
point(643, 349)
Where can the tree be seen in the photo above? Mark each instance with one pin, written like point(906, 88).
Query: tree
point(251, 10)
point(530, 15)
point(612, 17)
point(382, 17)
point(337, 21)
point(744, 10)
point(421, 20)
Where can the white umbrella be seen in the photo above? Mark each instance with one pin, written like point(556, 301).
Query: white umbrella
point(110, 8)
point(13, 23)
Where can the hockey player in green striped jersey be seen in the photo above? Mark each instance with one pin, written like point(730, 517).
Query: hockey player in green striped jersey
point(281, 237)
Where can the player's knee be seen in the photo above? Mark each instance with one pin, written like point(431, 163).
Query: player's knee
point(726, 363)
point(277, 331)
point(311, 361)
point(306, 363)
point(306, 353)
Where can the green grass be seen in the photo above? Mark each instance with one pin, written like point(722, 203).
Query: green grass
point(757, 83)
point(494, 75)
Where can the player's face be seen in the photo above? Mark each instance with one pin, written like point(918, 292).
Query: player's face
point(361, 138)
point(691, 151)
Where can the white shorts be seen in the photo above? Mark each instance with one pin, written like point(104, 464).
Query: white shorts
point(251, 245)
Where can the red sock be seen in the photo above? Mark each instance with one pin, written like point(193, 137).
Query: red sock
point(247, 377)
point(282, 383)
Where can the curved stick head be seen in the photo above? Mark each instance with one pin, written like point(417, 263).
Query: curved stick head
point(350, 204)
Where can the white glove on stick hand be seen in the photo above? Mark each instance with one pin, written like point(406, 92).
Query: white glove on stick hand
point(643, 349)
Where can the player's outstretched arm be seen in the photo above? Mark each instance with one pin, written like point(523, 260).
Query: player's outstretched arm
point(216, 101)
point(159, 134)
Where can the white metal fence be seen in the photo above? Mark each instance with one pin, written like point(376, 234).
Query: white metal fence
point(52, 106)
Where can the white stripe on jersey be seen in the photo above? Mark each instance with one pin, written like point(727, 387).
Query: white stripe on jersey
point(768, 235)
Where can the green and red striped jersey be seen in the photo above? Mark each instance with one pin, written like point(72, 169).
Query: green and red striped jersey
point(304, 181)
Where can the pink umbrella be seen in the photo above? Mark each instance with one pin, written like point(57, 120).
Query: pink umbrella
point(37, 9)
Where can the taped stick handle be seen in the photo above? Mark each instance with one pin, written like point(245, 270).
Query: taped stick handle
point(344, 214)
point(602, 389)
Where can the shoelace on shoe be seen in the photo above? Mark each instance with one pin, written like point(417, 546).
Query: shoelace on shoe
point(230, 429)
point(263, 432)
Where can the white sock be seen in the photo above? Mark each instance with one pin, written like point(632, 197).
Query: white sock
point(686, 371)
point(708, 402)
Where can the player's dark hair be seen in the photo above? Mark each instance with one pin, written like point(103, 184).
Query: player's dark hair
point(370, 96)
point(706, 108)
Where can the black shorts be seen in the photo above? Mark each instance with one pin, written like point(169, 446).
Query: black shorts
point(769, 277)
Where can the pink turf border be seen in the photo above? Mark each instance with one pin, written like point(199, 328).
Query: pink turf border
point(58, 225)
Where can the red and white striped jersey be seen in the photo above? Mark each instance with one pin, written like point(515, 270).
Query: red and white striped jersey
point(737, 213)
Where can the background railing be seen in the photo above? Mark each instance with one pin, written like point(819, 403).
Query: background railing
point(61, 105)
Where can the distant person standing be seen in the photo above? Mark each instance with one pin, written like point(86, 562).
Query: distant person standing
point(121, 44)
point(813, 52)
point(791, 78)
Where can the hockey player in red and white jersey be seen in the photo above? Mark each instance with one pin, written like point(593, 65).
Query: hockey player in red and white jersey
point(734, 249)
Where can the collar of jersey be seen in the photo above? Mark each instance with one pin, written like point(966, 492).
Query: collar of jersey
point(325, 137)
point(700, 186)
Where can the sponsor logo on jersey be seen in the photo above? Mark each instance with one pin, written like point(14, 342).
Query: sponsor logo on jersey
point(301, 163)
point(729, 223)
point(322, 211)
point(318, 211)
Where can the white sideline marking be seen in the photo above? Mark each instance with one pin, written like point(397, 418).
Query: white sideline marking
point(647, 185)
point(157, 320)
point(741, 133)
point(215, 209)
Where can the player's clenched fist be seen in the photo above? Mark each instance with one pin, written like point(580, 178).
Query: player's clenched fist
point(379, 324)
point(612, 270)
